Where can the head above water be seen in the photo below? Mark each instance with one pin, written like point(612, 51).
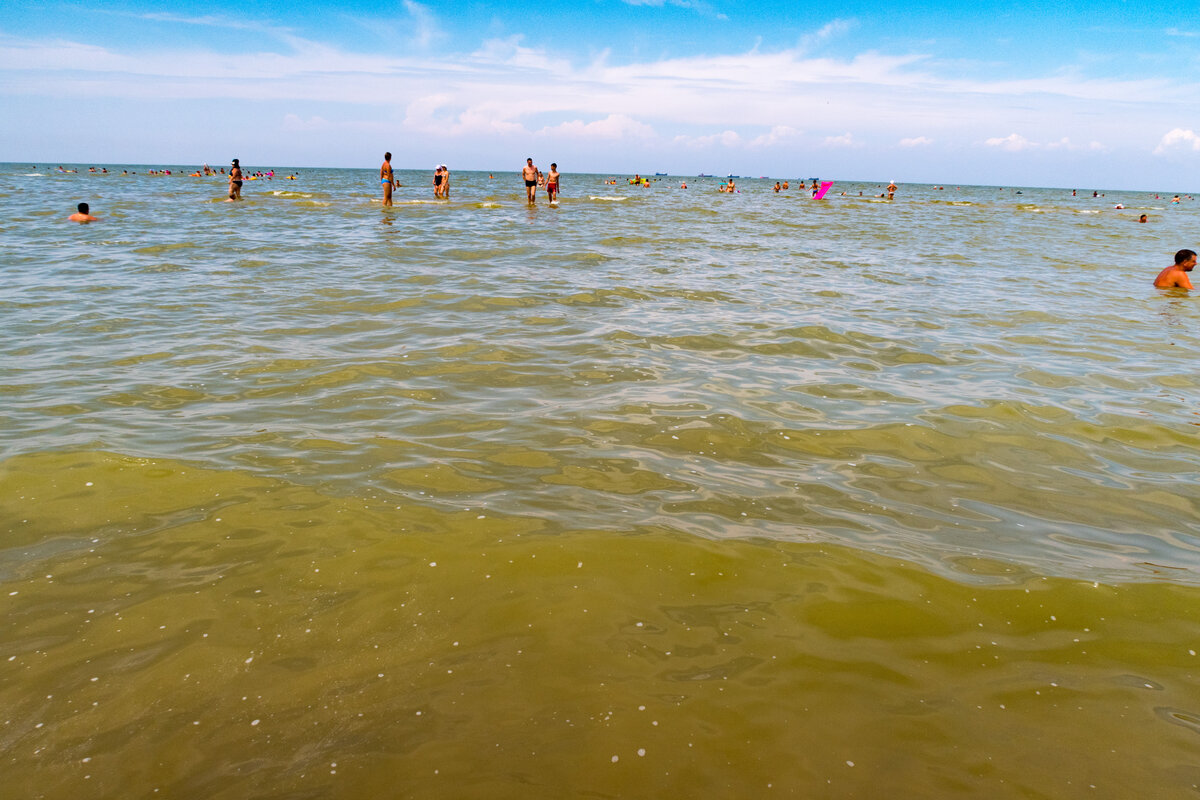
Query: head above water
point(83, 208)
point(1183, 257)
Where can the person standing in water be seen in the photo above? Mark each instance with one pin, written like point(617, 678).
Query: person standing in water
point(387, 179)
point(1176, 275)
point(891, 190)
point(552, 183)
point(530, 174)
point(235, 181)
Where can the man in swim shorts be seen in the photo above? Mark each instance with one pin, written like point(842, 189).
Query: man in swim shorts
point(1176, 275)
point(235, 181)
point(552, 183)
point(386, 178)
point(82, 214)
point(530, 174)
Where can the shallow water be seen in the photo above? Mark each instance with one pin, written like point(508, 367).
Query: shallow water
point(655, 492)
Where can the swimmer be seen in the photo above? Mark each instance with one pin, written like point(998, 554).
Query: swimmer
point(387, 179)
point(529, 173)
point(777, 187)
point(785, 186)
point(1143, 218)
point(82, 214)
point(437, 181)
point(891, 190)
point(552, 183)
point(1175, 276)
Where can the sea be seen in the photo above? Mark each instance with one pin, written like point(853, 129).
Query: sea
point(658, 492)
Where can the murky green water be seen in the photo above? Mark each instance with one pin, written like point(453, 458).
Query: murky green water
point(658, 492)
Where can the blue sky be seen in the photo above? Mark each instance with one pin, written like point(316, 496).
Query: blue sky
point(1105, 95)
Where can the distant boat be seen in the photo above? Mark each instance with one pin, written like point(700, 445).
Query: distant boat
point(659, 174)
point(704, 175)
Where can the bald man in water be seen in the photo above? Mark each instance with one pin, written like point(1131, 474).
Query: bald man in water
point(1176, 275)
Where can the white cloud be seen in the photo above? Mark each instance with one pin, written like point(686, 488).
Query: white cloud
point(1176, 140)
point(777, 135)
point(837, 27)
point(1065, 143)
point(1013, 143)
point(845, 140)
point(425, 26)
point(614, 126)
point(917, 141)
point(725, 139)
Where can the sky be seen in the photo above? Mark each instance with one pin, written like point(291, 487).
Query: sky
point(1104, 94)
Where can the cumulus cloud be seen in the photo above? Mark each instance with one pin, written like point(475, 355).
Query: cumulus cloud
point(725, 139)
point(1178, 140)
point(1013, 143)
point(614, 126)
point(917, 141)
point(845, 140)
point(1065, 143)
point(777, 135)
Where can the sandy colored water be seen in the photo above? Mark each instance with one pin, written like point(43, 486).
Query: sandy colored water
point(657, 492)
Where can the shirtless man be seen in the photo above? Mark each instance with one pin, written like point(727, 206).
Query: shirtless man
point(552, 183)
point(235, 181)
point(83, 215)
point(1175, 276)
point(387, 178)
point(530, 174)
